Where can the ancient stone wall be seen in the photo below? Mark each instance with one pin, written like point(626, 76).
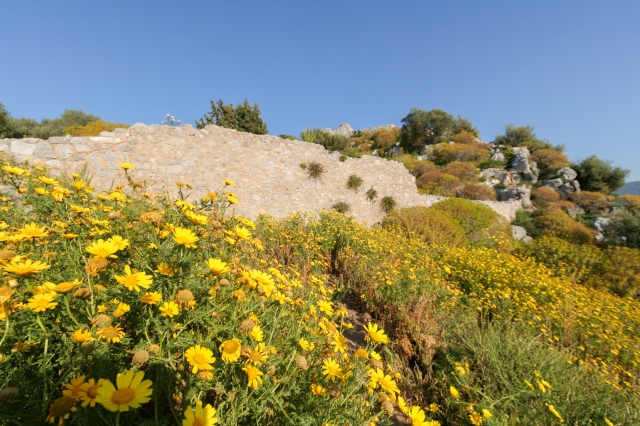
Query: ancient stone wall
point(266, 168)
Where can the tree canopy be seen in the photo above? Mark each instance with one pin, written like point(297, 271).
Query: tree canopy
point(422, 127)
point(28, 127)
point(598, 175)
point(243, 117)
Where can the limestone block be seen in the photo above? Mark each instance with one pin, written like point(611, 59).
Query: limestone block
point(43, 153)
point(108, 134)
point(106, 140)
point(19, 147)
point(58, 139)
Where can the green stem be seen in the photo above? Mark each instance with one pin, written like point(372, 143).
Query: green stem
point(44, 366)
point(118, 418)
point(39, 321)
point(66, 304)
point(155, 396)
point(6, 324)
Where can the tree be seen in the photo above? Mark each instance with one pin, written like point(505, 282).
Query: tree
point(598, 175)
point(515, 135)
point(6, 130)
point(244, 117)
point(422, 127)
point(462, 124)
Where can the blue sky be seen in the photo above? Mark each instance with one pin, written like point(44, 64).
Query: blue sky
point(571, 69)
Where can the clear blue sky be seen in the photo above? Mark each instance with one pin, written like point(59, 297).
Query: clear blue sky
point(571, 68)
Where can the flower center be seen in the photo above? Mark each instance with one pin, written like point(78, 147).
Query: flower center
point(92, 392)
point(198, 422)
point(131, 280)
point(199, 359)
point(123, 396)
point(42, 303)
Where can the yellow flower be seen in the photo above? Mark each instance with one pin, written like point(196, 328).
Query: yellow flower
point(200, 416)
point(14, 170)
point(42, 302)
point(127, 166)
point(486, 413)
point(81, 336)
point(131, 393)
point(263, 281)
point(217, 266)
point(89, 392)
point(417, 416)
point(165, 269)
point(74, 388)
point(386, 382)
point(119, 242)
point(242, 233)
point(61, 408)
point(47, 180)
point(257, 355)
point(339, 343)
point(608, 422)
point(32, 230)
point(402, 406)
point(375, 334)
point(256, 333)
point(79, 185)
point(5, 294)
point(67, 286)
point(170, 309)
point(454, 392)
point(230, 350)
point(200, 358)
point(475, 418)
point(196, 219)
point(331, 369)
point(553, 411)
point(41, 191)
point(122, 309)
point(326, 307)
point(318, 389)
point(151, 298)
point(306, 345)
point(254, 376)
point(232, 200)
point(135, 280)
point(228, 181)
point(25, 268)
point(103, 249)
point(111, 333)
point(185, 237)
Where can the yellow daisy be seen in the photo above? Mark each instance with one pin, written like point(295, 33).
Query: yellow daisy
point(74, 388)
point(257, 334)
point(170, 309)
point(374, 334)
point(42, 302)
point(151, 298)
point(32, 230)
point(103, 249)
point(132, 391)
point(89, 392)
point(200, 358)
point(135, 280)
point(331, 369)
point(231, 350)
point(254, 376)
point(82, 336)
point(25, 268)
point(200, 416)
point(111, 333)
point(217, 266)
point(185, 237)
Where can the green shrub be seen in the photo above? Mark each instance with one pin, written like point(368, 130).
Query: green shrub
point(93, 128)
point(343, 158)
point(371, 195)
point(387, 204)
point(243, 117)
point(464, 137)
point(418, 167)
point(549, 161)
point(478, 192)
point(524, 219)
point(354, 183)
point(466, 172)
point(436, 183)
point(624, 229)
point(598, 175)
point(490, 164)
point(288, 137)
point(462, 152)
point(385, 140)
point(434, 227)
point(544, 196)
point(341, 207)
point(557, 223)
point(303, 166)
point(591, 202)
point(330, 141)
point(315, 170)
point(483, 226)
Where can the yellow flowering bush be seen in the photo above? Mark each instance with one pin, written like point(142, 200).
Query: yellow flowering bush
point(128, 308)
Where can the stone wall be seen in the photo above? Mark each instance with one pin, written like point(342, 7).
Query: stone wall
point(266, 168)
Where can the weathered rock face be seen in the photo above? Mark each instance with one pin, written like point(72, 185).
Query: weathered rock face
point(600, 225)
point(520, 234)
point(565, 184)
point(520, 163)
point(266, 168)
point(343, 130)
point(567, 174)
point(521, 193)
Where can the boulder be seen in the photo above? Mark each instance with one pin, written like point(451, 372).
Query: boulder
point(553, 183)
point(521, 193)
point(520, 160)
point(518, 232)
point(576, 185)
point(574, 211)
point(498, 156)
point(565, 190)
point(567, 174)
point(600, 225)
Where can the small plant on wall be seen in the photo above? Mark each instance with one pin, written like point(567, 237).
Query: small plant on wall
point(315, 170)
point(341, 207)
point(303, 166)
point(387, 204)
point(354, 183)
point(371, 195)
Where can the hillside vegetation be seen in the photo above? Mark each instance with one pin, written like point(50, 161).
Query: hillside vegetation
point(127, 308)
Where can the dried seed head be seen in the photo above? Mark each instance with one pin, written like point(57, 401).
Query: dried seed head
point(8, 394)
point(140, 358)
point(376, 364)
point(82, 293)
point(7, 254)
point(216, 225)
point(95, 265)
point(185, 299)
point(288, 293)
point(245, 350)
point(224, 282)
point(154, 348)
point(151, 217)
point(101, 320)
point(114, 215)
point(271, 370)
point(301, 362)
point(13, 283)
point(246, 326)
point(334, 391)
point(388, 407)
